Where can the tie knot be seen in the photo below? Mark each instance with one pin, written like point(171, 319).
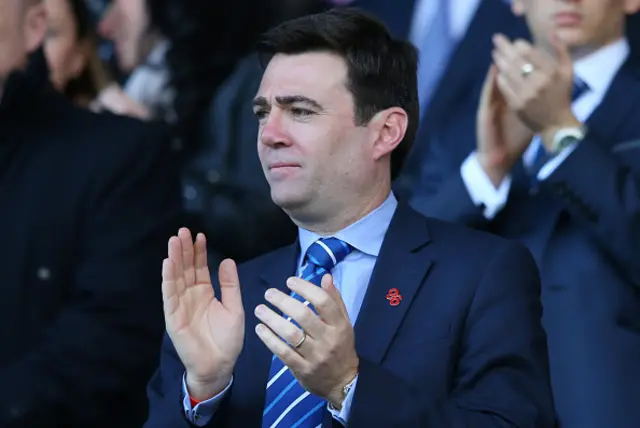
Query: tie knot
point(327, 252)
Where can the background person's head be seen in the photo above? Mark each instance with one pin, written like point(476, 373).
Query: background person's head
point(71, 50)
point(338, 111)
point(583, 25)
point(23, 25)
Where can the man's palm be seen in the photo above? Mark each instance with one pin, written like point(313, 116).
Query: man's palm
point(206, 332)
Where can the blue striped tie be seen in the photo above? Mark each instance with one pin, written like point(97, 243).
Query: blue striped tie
point(288, 404)
point(541, 157)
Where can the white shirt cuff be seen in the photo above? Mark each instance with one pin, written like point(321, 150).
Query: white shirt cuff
point(342, 415)
point(553, 163)
point(201, 414)
point(481, 189)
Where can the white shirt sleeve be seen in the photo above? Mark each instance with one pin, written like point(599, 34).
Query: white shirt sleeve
point(343, 414)
point(201, 414)
point(553, 163)
point(481, 189)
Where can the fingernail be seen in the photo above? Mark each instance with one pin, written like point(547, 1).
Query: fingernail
point(260, 310)
point(269, 294)
point(292, 281)
point(259, 329)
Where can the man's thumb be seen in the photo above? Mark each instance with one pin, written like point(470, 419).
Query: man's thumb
point(561, 51)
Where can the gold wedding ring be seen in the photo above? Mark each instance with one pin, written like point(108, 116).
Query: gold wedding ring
point(301, 341)
point(526, 69)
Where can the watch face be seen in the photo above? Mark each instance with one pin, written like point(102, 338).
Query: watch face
point(566, 142)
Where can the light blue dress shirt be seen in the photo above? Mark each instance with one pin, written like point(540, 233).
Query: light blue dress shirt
point(351, 277)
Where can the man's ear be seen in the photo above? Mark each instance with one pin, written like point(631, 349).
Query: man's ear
point(391, 126)
point(35, 25)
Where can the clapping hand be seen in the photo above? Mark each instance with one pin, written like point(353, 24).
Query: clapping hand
point(321, 353)
point(207, 332)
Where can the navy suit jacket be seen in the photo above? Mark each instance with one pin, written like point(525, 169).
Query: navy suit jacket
point(464, 348)
point(463, 76)
point(583, 228)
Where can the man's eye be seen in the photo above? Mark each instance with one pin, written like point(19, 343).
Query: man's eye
point(301, 112)
point(261, 114)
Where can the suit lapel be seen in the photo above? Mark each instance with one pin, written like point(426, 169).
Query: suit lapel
point(617, 104)
point(402, 265)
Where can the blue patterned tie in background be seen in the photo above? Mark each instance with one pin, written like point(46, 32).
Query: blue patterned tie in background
point(288, 404)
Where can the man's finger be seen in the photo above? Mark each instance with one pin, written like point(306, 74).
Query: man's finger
point(280, 326)
point(286, 353)
point(561, 52)
point(508, 70)
point(316, 296)
point(170, 295)
point(329, 286)
point(231, 297)
point(203, 276)
point(188, 255)
point(295, 310)
point(489, 87)
point(510, 95)
point(175, 255)
point(505, 47)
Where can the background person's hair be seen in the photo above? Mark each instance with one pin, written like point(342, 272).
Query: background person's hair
point(95, 77)
point(382, 71)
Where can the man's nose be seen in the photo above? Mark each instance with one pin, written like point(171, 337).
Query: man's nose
point(273, 131)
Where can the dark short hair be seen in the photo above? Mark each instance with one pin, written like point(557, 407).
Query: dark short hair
point(382, 71)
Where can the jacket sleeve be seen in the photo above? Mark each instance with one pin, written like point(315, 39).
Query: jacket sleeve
point(502, 375)
point(98, 353)
point(601, 189)
point(442, 193)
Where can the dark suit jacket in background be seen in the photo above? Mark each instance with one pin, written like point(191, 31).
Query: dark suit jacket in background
point(88, 203)
point(462, 78)
point(465, 348)
point(583, 228)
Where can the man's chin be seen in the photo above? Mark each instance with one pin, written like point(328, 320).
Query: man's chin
point(289, 200)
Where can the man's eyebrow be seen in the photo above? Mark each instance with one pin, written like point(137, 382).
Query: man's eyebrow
point(260, 102)
point(298, 99)
point(287, 100)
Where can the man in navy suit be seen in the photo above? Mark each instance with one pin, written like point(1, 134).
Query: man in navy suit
point(376, 316)
point(454, 41)
point(556, 164)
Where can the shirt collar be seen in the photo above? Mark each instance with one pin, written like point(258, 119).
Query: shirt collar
point(599, 68)
point(365, 235)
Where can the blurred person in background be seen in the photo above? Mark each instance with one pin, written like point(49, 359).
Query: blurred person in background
point(453, 38)
point(556, 164)
point(71, 50)
point(88, 202)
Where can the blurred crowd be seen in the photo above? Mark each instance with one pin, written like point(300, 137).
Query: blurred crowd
point(162, 134)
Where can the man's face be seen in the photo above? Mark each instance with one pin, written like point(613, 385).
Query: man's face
point(580, 24)
point(126, 24)
point(314, 156)
point(22, 29)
